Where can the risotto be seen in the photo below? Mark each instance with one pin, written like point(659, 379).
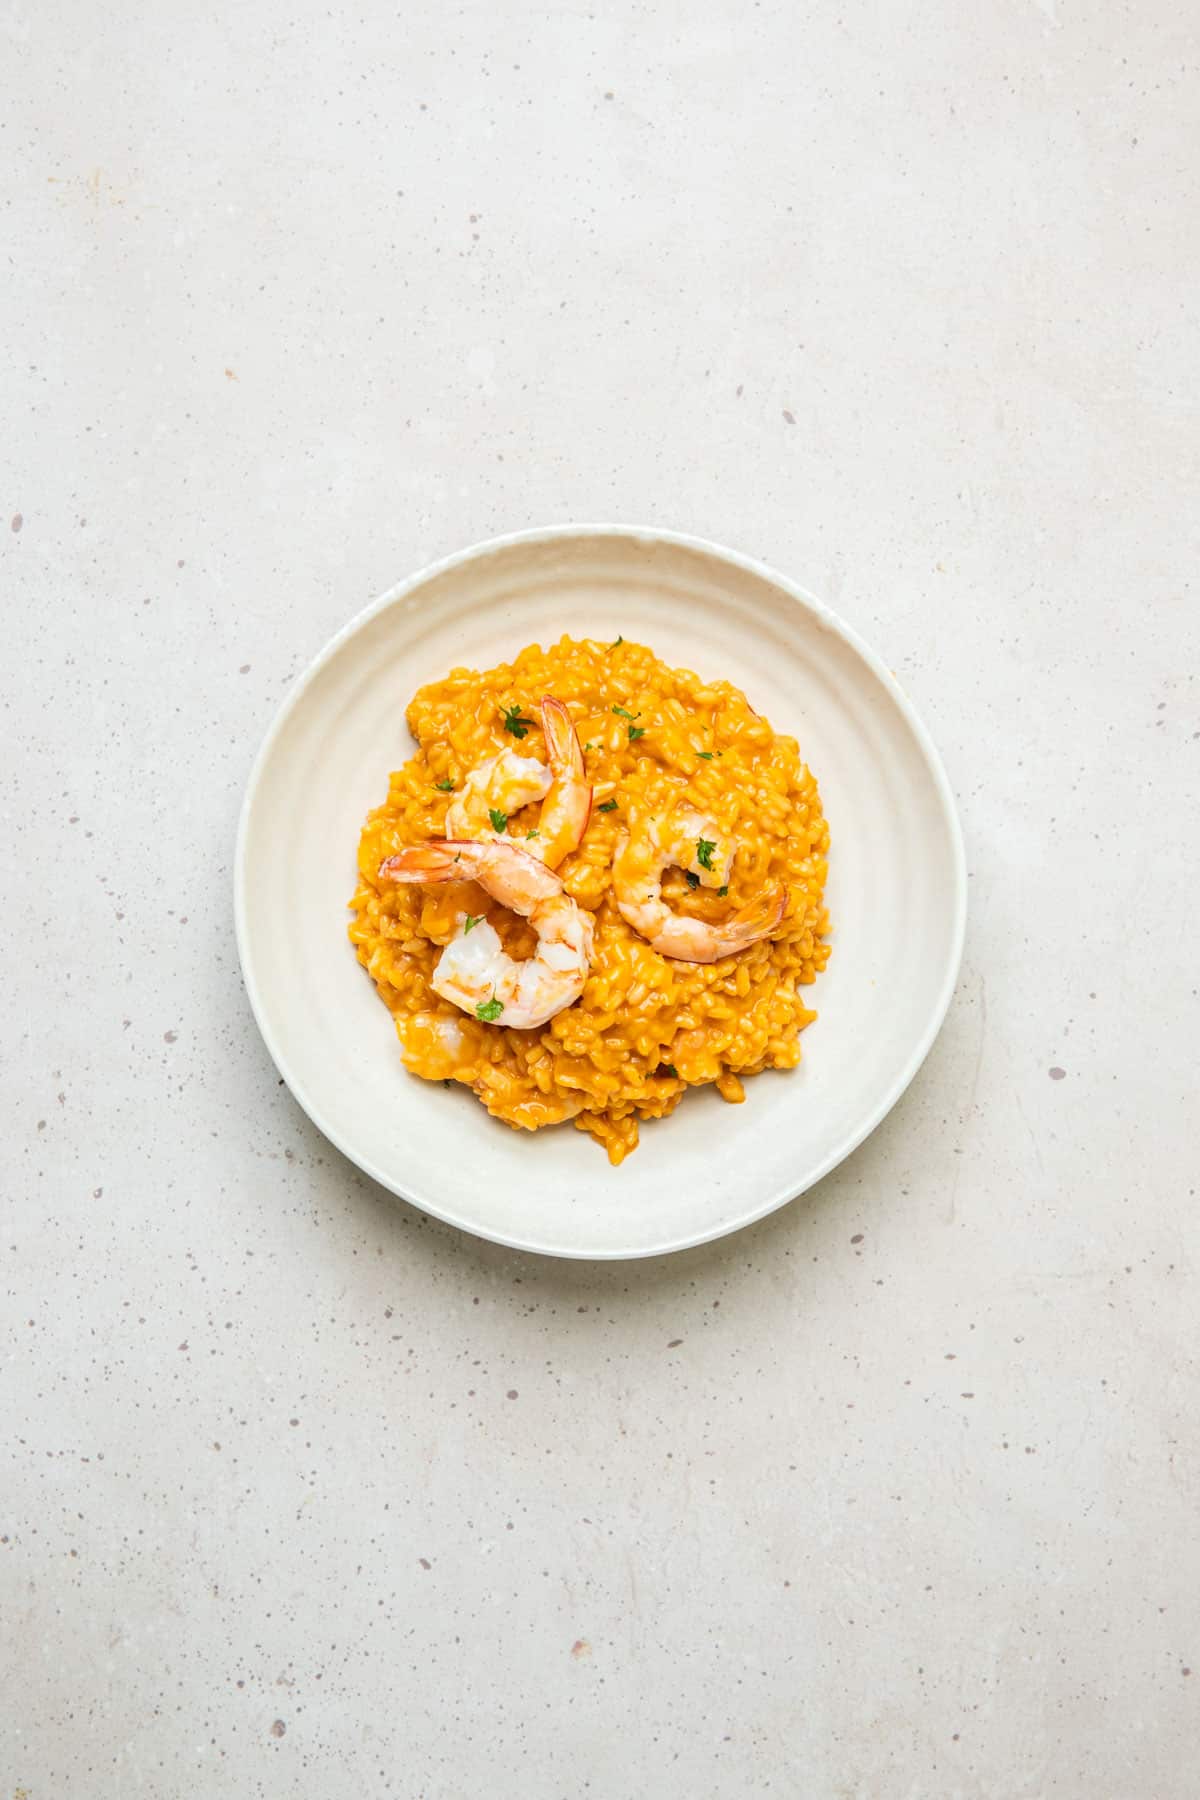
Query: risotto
point(658, 745)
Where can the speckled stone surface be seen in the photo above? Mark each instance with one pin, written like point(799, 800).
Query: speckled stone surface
point(894, 1495)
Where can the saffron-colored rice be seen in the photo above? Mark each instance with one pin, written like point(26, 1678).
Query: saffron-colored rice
point(646, 1027)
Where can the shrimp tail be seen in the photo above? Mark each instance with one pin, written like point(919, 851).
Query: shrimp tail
point(760, 916)
point(569, 804)
point(423, 862)
point(562, 741)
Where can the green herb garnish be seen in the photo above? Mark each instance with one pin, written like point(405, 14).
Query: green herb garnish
point(704, 850)
point(489, 1010)
point(623, 714)
point(692, 880)
point(635, 732)
point(499, 819)
point(721, 892)
point(446, 786)
point(615, 642)
point(534, 833)
point(668, 1069)
point(471, 921)
point(608, 806)
point(706, 754)
point(514, 722)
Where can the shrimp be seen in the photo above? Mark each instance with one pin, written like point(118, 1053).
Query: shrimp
point(474, 970)
point(686, 840)
point(503, 784)
point(508, 782)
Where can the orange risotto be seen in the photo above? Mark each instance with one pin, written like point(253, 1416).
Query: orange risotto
point(646, 1026)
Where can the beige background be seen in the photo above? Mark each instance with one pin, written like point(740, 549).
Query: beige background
point(894, 1495)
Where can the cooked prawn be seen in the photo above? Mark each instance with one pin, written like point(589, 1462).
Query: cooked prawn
point(474, 970)
point(507, 782)
point(503, 784)
point(686, 840)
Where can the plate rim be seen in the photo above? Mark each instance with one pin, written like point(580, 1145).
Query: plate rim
point(828, 620)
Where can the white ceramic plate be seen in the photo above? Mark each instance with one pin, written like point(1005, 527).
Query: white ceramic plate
point(896, 893)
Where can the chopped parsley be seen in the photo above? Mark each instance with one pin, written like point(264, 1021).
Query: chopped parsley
point(446, 786)
point(615, 642)
point(499, 819)
point(608, 806)
point(489, 1010)
point(514, 722)
point(635, 732)
point(706, 755)
point(704, 850)
point(692, 880)
point(668, 1069)
point(534, 833)
point(721, 892)
point(622, 713)
point(470, 921)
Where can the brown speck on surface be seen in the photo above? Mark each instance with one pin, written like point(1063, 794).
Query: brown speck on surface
point(580, 1648)
point(169, 1037)
point(229, 375)
point(424, 1562)
point(1058, 1074)
point(17, 521)
point(858, 1237)
point(790, 417)
point(1185, 1671)
point(278, 1728)
point(674, 1343)
point(184, 1344)
point(512, 1393)
point(293, 1421)
point(968, 1396)
point(245, 669)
